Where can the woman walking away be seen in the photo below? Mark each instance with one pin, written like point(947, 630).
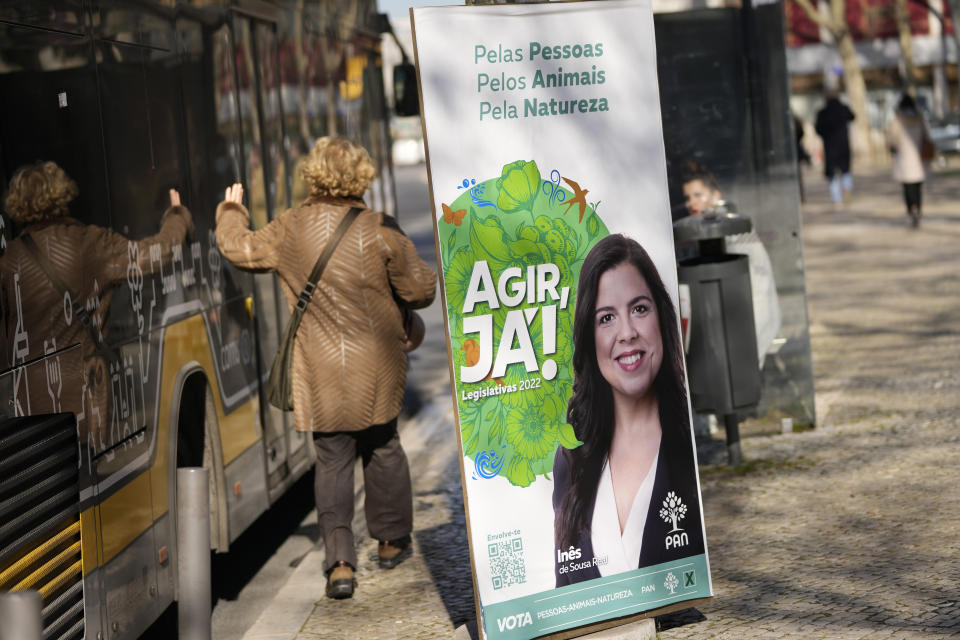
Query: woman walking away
point(349, 363)
point(908, 136)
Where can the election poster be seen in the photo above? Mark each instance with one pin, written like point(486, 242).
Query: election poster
point(549, 191)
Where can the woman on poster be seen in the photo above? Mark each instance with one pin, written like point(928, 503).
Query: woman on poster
point(627, 497)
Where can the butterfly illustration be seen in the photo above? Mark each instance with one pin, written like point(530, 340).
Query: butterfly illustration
point(449, 215)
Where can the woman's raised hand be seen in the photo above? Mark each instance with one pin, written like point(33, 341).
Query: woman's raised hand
point(174, 198)
point(234, 193)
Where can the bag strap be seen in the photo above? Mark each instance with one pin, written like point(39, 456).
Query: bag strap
point(78, 309)
point(304, 298)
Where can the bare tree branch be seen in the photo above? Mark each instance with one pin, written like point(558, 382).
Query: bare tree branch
point(838, 10)
point(813, 14)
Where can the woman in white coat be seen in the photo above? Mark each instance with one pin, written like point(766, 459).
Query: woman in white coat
point(907, 136)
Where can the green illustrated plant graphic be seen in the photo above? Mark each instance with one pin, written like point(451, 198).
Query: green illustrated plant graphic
point(516, 221)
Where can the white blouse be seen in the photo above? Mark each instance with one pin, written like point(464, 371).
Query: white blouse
point(622, 552)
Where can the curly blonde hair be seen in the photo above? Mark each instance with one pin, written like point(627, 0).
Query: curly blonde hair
point(337, 167)
point(39, 191)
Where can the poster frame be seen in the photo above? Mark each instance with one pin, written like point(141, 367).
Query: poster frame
point(590, 628)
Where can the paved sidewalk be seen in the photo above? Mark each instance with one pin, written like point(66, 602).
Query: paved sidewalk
point(851, 530)
point(847, 531)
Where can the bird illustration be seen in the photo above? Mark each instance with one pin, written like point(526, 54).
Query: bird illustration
point(579, 196)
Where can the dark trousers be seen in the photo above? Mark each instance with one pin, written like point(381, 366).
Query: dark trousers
point(388, 500)
point(912, 195)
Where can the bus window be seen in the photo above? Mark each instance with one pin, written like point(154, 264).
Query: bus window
point(55, 15)
point(250, 129)
point(50, 111)
point(275, 168)
point(210, 109)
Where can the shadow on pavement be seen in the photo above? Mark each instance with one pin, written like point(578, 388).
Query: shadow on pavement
point(250, 552)
point(447, 555)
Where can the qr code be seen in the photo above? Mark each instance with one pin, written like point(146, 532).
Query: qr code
point(506, 562)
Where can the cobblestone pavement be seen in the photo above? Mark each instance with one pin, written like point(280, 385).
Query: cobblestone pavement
point(846, 531)
point(851, 530)
point(426, 596)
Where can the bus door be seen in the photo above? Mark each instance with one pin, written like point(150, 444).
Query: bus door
point(268, 188)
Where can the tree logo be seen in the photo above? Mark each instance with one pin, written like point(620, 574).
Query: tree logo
point(673, 510)
point(671, 582)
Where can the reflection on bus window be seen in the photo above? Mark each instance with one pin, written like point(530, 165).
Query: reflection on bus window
point(58, 278)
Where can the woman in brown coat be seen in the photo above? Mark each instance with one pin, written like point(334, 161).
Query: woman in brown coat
point(349, 363)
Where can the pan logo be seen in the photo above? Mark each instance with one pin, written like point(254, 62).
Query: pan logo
point(671, 582)
point(672, 512)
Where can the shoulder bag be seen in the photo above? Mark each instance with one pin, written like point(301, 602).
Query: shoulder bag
point(280, 382)
point(413, 329)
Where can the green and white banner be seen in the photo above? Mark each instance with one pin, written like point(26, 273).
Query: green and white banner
point(545, 154)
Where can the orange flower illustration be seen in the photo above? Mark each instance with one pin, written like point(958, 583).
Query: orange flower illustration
point(472, 349)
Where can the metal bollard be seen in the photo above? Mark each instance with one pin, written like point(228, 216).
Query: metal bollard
point(193, 553)
point(20, 616)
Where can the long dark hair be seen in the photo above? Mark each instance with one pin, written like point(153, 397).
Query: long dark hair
point(590, 410)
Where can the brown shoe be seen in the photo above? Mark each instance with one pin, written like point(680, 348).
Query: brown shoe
point(340, 581)
point(393, 552)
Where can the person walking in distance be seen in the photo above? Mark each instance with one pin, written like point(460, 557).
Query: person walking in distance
point(349, 362)
point(912, 149)
point(833, 123)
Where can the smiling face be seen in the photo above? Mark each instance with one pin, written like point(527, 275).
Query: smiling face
point(698, 196)
point(627, 332)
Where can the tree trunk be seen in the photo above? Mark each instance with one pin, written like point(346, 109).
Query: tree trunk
point(856, 90)
point(906, 46)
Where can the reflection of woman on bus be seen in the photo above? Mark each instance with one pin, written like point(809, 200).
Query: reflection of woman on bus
point(629, 408)
point(56, 258)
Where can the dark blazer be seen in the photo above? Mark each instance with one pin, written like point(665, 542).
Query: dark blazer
point(674, 473)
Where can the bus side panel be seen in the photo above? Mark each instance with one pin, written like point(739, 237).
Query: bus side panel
point(137, 521)
point(238, 432)
point(246, 489)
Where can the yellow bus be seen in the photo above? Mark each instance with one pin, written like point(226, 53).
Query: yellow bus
point(156, 357)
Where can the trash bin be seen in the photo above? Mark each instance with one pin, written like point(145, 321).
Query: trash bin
point(722, 359)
